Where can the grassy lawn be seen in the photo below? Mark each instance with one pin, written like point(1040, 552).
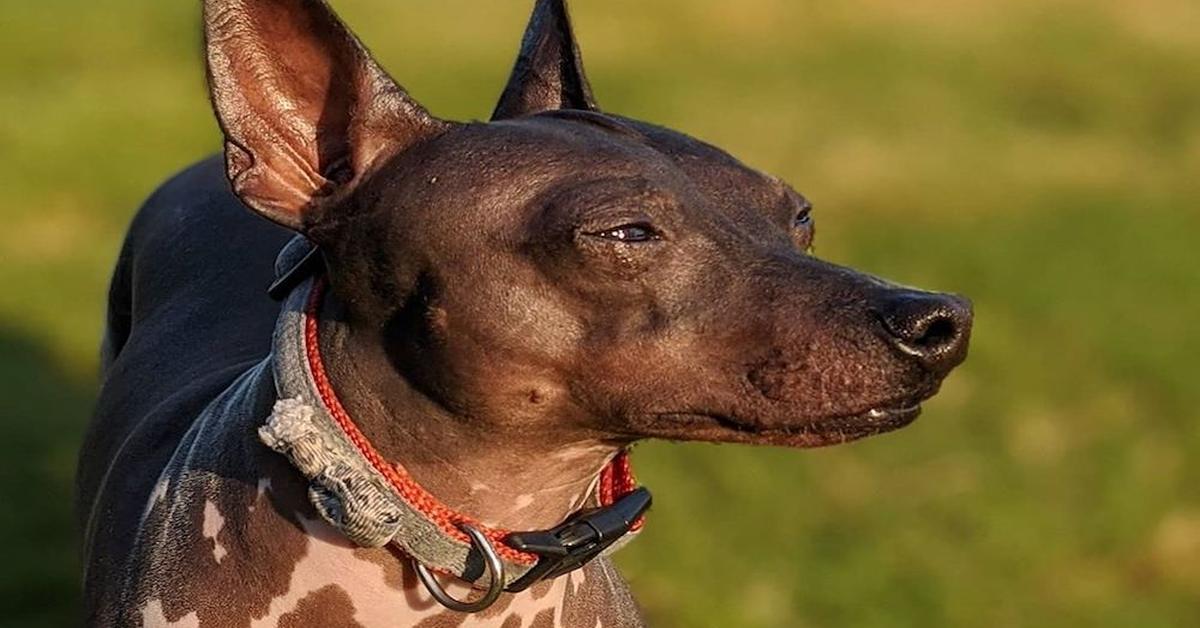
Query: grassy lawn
point(1040, 156)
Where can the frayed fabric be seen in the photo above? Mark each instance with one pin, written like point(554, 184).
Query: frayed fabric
point(341, 487)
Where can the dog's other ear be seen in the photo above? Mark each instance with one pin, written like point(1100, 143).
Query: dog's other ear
point(548, 73)
point(304, 108)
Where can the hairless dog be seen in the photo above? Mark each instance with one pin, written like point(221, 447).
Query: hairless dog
point(472, 323)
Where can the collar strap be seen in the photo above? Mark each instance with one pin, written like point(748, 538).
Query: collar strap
point(374, 502)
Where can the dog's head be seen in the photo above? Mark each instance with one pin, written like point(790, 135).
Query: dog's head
point(562, 267)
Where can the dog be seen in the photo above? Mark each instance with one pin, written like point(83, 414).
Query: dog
point(476, 321)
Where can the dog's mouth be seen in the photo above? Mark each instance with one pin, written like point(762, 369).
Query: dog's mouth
point(834, 430)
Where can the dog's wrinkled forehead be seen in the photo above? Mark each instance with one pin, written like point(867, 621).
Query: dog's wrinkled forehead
point(714, 172)
point(503, 168)
point(726, 181)
point(711, 174)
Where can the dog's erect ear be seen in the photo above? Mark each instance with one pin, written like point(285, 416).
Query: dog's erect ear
point(549, 72)
point(304, 108)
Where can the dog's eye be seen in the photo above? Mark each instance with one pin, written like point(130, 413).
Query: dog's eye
point(803, 218)
point(803, 230)
point(628, 233)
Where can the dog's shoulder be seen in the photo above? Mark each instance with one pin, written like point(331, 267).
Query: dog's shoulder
point(171, 505)
point(187, 313)
point(188, 322)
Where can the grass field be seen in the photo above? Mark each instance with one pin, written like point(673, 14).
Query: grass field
point(1041, 156)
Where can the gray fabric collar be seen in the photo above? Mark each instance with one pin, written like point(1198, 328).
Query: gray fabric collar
point(345, 487)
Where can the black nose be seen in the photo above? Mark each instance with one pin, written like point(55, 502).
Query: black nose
point(932, 327)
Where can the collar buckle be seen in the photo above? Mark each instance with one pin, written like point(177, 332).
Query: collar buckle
point(578, 540)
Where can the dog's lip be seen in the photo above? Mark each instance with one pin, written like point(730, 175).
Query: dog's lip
point(821, 432)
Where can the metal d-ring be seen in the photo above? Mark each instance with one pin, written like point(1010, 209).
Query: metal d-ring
point(495, 569)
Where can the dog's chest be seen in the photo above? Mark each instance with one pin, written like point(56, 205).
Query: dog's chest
point(224, 562)
point(230, 539)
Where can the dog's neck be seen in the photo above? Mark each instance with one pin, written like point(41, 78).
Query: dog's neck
point(500, 476)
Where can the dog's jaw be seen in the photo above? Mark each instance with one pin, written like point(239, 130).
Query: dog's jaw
point(690, 426)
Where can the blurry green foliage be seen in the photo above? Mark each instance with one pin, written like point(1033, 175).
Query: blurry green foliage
point(1041, 156)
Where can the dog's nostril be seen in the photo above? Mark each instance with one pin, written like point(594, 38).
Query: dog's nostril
point(930, 327)
point(941, 330)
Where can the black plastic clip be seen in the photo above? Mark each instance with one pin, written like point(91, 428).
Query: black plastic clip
point(308, 265)
point(578, 540)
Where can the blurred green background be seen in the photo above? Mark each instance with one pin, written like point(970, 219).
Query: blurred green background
point(1041, 156)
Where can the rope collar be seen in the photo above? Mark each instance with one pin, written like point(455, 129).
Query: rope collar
point(375, 502)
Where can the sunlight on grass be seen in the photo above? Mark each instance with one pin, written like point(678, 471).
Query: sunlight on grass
point(1038, 156)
